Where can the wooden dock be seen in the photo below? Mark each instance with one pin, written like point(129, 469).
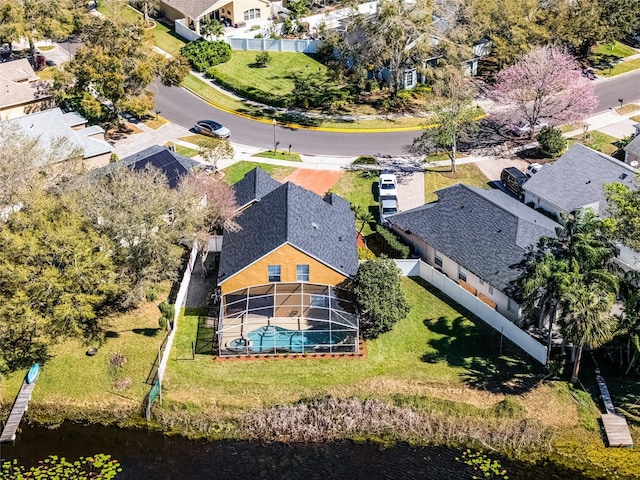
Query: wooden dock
point(616, 430)
point(17, 411)
point(615, 427)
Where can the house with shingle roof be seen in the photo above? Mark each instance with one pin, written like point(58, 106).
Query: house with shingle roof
point(632, 150)
point(67, 133)
point(283, 271)
point(173, 165)
point(479, 238)
point(253, 186)
point(237, 13)
point(575, 181)
point(21, 91)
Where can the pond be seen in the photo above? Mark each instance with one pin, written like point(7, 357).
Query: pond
point(150, 456)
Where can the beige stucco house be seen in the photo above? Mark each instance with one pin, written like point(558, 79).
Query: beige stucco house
point(21, 91)
point(236, 13)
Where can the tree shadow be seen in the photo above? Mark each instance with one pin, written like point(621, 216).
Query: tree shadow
point(491, 361)
point(147, 332)
point(111, 334)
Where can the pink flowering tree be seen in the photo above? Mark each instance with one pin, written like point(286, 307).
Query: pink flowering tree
point(546, 83)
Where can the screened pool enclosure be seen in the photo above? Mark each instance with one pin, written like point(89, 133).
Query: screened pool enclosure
point(287, 318)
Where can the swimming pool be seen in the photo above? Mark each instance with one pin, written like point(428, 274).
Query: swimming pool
point(270, 337)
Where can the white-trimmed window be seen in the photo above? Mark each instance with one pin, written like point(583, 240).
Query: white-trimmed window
point(252, 14)
point(302, 273)
point(462, 275)
point(490, 290)
point(438, 262)
point(274, 273)
point(409, 78)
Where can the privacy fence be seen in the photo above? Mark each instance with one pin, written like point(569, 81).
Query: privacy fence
point(418, 268)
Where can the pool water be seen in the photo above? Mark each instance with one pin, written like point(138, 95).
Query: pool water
point(270, 337)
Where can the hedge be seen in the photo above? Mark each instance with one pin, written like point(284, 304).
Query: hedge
point(391, 245)
point(203, 54)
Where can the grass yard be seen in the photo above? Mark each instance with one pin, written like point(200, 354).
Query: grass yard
point(636, 118)
point(439, 177)
point(166, 39)
point(359, 188)
point(617, 49)
point(598, 141)
point(72, 377)
point(119, 11)
point(436, 348)
point(276, 79)
point(628, 108)
point(155, 121)
point(622, 67)
point(201, 141)
point(235, 172)
point(279, 155)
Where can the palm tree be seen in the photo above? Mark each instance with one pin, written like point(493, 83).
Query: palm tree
point(630, 319)
point(587, 319)
point(212, 28)
point(362, 215)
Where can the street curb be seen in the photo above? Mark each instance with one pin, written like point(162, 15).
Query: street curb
point(304, 127)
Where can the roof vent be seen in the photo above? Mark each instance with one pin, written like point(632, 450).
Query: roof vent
point(623, 176)
point(315, 225)
point(587, 182)
point(634, 163)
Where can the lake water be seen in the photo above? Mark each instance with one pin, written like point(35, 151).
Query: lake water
point(151, 456)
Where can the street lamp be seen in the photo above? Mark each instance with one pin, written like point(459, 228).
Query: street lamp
point(275, 124)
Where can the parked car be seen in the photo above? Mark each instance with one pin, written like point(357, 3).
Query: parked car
point(532, 169)
point(212, 129)
point(524, 128)
point(388, 206)
point(513, 179)
point(387, 185)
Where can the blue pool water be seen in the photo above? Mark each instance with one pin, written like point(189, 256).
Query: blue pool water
point(269, 337)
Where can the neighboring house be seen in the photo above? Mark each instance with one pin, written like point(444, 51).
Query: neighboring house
point(478, 238)
point(172, 164)
point(21, 91)
point(280, 274)
point(576, 180)
point(237, 13)
point(632, 150)
point(67, 133)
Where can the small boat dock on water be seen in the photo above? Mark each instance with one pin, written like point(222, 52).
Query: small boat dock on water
point(615, 426)
point(20, 405)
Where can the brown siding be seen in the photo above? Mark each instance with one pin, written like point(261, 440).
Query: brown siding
point(487, 300)
point(287, 257)
point(467, 287)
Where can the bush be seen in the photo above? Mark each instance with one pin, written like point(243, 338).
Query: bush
point(203, 55)
point(168, 311)
point(117, 360)
point(365, 160)
point(263, 59)
point(552, 142)
point(365, 254)
point(391, 245)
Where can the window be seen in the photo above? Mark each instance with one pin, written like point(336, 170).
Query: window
point(251, 14)
point(438, 262)
point(274, 273)
point(461, 274)
point(302, 273)
point(490, 290)
point(409, 79)
point(482, 282)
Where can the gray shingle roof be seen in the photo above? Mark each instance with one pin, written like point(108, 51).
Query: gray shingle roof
point(256, 184)
point(192, 8)
point(485, 231)
point(51, 125)
point(322, 228)
point(577, 179)
point(634, 146)
point(172, 164)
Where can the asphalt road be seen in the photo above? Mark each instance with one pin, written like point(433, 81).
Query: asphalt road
point(183, 108)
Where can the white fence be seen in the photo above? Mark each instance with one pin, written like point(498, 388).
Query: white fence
point(184, 31)
point(268, 44)
point(180, 298)
point(418, 268)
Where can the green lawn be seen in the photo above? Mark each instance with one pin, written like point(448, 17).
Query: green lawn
point(597, 140)
point(360, 188)
point(622, 67)
point(617, 49)
point(235, 172)
point(439, 177)
point(119, 10)
point(202, 141)
point(167, 40)
point(280, 155)
point(275, 80)
point(435, 345)
point(72, 377)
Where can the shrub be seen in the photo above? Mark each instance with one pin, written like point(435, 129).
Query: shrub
point(391, 245)
point(552, 142)
point(262, 59)
point(117, 360)
point(365, 160)
point(114, 158)
point(168, 311)
point(365, 254)
point(509, 408)
point(203, 54)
